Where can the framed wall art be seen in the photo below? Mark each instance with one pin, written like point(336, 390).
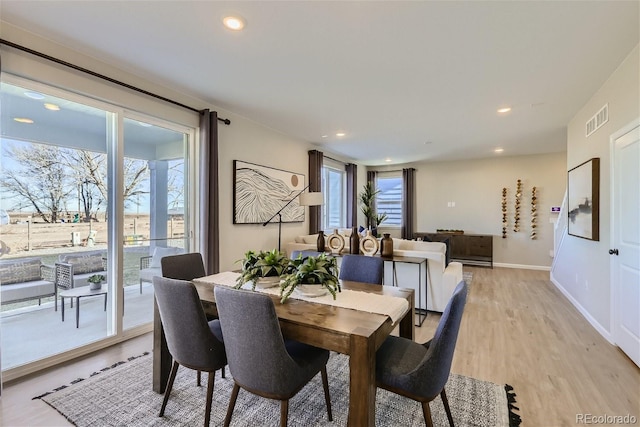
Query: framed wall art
point(260, 191)
point(583, 205)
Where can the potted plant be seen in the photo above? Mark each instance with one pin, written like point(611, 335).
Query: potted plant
point(96, 281)
point(368, 208)
point(262, 268)
point(312, 275)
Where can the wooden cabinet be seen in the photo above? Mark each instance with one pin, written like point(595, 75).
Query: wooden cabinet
point(470, 249)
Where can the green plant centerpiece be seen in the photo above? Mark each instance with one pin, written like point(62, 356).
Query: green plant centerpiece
point(368, 206)
point(260, 265)
point(95, 281)
point(321, 270)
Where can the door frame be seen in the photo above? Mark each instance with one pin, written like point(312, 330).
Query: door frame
point(612, 226)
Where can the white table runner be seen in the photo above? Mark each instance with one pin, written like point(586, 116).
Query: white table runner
point(394, 307)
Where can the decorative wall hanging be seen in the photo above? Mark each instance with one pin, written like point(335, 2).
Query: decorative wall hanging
point(516, 220)
point(504, 213)
point(534, 213)
point(261, 191)
point(584, 200)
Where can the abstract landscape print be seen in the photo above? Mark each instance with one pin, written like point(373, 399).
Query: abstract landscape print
point(583, 200)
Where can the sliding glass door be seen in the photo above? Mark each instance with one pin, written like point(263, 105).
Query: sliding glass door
point(89, 191)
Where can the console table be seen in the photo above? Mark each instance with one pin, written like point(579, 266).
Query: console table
point(470, 249)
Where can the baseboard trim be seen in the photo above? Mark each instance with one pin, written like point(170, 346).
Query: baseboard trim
point(522, 266)
point(592, 321)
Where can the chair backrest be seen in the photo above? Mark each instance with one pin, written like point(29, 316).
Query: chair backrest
point(360, 268)
point(255, 347)
point(189, 338)
point(436, 365)
point(183, 267)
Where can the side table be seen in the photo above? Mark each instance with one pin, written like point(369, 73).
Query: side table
point(81, 292)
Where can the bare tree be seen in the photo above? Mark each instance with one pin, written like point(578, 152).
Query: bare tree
point(40, 180)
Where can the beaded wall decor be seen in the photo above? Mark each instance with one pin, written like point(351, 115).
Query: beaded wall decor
point(504, 213)
point(516, 220)
point(534, 213)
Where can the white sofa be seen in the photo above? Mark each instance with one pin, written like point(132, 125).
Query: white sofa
point(441, 280)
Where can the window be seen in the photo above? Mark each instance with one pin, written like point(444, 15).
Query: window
point(389, 199)
point(335, 199)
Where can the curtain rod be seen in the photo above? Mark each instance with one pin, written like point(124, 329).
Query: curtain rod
point(102, 76)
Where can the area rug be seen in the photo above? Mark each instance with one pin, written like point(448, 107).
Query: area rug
point(122, 396)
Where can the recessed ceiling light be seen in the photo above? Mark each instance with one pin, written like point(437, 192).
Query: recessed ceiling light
point(23, 120)
point(52, 107)
point(504, 110)
point(498, 150)
point(387, 160)
point(339, 134)
point(324, 136)
point(234, 23)
point(34, 95)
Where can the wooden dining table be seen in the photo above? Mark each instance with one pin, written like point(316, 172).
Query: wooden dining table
point(355, 333)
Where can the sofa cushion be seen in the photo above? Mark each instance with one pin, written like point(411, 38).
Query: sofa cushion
point(313, 238)
point(28, 290)
point(160, 252)
point(20, 270)
point(86, 264)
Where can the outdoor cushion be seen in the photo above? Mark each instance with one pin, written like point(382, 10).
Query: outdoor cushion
point(28, 290)
point(20, 270)
point(86, 264)
point(160, 253)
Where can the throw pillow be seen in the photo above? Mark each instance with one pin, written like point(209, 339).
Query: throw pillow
point(160, 253)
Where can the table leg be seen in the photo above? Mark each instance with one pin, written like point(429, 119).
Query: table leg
point(407, 327)
point(62, 308)
point(362, 377)
point(105, 302)
point(77, 312)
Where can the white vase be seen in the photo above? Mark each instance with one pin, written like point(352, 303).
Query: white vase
point(267, 282)
point(335, 242)
point(311, 290)
point(95, 286)
point(369, 245)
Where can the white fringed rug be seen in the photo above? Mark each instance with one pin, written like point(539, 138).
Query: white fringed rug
point(122, 396)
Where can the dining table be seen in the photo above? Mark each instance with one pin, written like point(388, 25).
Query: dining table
point(353, 332)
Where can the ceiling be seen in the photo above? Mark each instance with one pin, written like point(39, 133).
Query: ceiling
point(405, 81)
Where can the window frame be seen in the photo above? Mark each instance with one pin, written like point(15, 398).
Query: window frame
point(328, 167)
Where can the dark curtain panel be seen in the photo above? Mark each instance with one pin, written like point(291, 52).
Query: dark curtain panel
point(209, 192)
point(371, 177)
point(352, 195)
point(315, 184)
point(408, 202)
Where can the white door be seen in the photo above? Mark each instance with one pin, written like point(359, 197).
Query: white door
point(625, 241)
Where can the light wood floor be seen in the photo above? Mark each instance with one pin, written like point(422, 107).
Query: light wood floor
point(517, 329)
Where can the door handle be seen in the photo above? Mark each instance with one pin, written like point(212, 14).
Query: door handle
point(613, 252)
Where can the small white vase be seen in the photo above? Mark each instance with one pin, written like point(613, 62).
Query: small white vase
point(311, 290)
point(95, 286)
point(267, 282)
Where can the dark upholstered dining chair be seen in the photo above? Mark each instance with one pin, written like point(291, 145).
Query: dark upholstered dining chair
point(260, 360)
point(361, 268)
point(192, 341)
point(420, 371)
point(183, 267)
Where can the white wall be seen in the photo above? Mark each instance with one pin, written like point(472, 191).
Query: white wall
point(582, 266)
point(476, 188)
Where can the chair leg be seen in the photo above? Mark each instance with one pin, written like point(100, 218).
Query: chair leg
point(140, 287)
point(284, 412)
point(445, 402)
point(427, 414)
point(223, 376)
point(210, 384)
point(167, 391)
point(232, 404)
point(198, 379)
point(325, 386)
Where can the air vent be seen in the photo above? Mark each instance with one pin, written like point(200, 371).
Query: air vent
point(599, 119)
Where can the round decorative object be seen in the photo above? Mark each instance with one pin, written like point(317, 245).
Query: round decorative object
point(311, 291)
point(335, 242)
point(369, 245)
point(267, 282)
point(95, 286)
